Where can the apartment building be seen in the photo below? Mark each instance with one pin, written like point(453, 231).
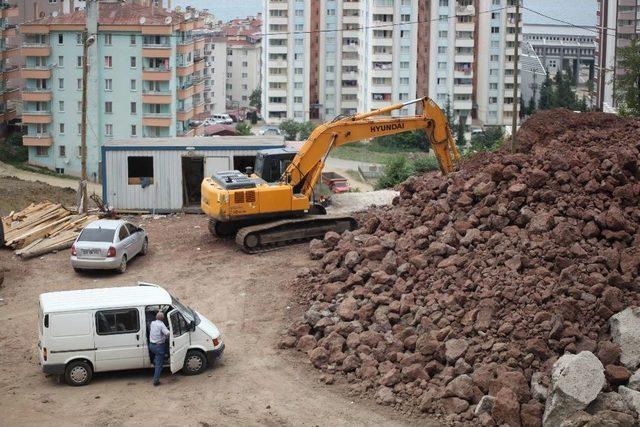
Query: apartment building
point(618, 23)
point(471, 65)
point(324, 59)
point(215, 71)
point(9, 70)
point(145, 80)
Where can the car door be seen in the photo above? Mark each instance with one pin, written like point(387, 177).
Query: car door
point(136, 238)
point(179, 340)
point(124, 242)
point(119, 339)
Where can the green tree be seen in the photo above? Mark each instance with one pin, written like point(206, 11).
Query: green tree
point(243, 128)
point(396, 170)
point(425, 164)
point(522, 110)
point(448, 111)
point(592, 93)
point(255, 99)
point(627, 84)
point(407, 140)
point(290, 129)
point(531, 107)
point(461, 141)
point(305, 130)
point(489, 139)
point(547, 94)
point(566, 97)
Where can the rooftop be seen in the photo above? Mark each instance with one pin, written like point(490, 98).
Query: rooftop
point(115, 14)
point(103, 298)
point(201, 141)
point(558, 30)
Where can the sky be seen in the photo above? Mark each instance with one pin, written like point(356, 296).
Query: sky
point(579, 12)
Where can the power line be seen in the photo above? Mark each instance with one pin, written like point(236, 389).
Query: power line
point(571, 24)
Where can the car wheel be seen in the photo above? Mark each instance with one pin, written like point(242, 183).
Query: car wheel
point(145, 247)
point(123, 265)
point(78, 373)
point(195, 362)
point(77, 270)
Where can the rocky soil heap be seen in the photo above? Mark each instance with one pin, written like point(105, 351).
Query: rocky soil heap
point(459, 299)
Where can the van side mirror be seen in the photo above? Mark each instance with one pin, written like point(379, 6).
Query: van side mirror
point(192, 325)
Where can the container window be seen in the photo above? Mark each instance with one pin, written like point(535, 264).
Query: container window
point(140, 170)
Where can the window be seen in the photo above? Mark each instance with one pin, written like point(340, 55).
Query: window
point(60, 38)
point(78, 38)
point(133, 84)
point(61, 84)
point(179, 325)
point(62, 151)
point(108, 84)
point(60, 61)
point(108, 61)
point(134, 130)
point(133, 62)
point(134, 108)
point(132, 40)
point(245, 64)
point(108, 130)
point(79, 62)
point(107, 39)
point(495, 30)
point(61, 126)
point(79, 83)
point(108, 107)
point(79, 133)
point(79, 106)
point(140, 168)
point(125, 321)
point(61, 106)
point(42, 151)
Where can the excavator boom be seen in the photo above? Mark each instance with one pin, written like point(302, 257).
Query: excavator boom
point(263, 214)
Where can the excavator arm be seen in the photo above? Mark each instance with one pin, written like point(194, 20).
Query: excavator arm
point(304, 171)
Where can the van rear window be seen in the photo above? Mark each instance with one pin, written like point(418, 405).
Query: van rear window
point(96, 235)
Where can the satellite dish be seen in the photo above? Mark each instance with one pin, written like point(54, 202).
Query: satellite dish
point(41, 15)
point(187, 16)
point(142, 20)
point(196, 15)
point(167, 20)
point(54, 14)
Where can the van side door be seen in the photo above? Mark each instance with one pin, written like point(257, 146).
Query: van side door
point(179, 341)
point(119, 339)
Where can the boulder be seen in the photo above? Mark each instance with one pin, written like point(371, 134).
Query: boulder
point(347, 309)
point(385, 396)
point(576, 380)
point(507, 408)
point(632, 398)
point(616, 375)
point(486, 404)
point(634, 381)
point(454, 349)
point(625, 331)
point(461, 386)
point(531, 414)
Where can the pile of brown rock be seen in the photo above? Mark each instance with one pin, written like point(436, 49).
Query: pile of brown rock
point(461, 298)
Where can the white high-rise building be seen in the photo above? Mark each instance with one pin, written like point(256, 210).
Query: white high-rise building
point(327, 58)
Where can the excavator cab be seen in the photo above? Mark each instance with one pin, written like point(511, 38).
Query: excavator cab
point(271, 164)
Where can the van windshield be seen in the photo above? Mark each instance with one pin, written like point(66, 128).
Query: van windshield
point(96, 235)
point(188, 312)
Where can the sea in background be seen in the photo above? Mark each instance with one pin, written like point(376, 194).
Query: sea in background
point(578, 12)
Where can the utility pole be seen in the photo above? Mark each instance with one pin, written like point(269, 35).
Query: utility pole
point(516, 100)
point(87, 40)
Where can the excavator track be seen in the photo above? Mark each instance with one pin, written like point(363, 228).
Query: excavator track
point(273, 235)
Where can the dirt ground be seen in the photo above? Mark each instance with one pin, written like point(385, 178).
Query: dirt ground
point(16, 194)
point(244, 295)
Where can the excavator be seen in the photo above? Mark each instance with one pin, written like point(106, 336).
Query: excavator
point(273, 205)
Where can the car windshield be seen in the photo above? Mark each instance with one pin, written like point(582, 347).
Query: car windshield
point(96, 235)
point(187, 311)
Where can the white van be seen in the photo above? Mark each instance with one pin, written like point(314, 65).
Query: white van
point(222, 118)
point(98, 330)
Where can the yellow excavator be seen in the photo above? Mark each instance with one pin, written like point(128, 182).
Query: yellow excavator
point(274, 204)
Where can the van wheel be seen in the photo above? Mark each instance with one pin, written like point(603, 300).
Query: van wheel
point(195, 362)
point(78, 373)
point(123, 265)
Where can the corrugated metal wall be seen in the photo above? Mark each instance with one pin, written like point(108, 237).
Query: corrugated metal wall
point(165, 194)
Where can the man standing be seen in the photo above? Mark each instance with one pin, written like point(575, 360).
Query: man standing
point(158, 334)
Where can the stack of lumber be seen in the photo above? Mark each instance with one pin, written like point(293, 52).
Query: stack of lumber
point(42, 228)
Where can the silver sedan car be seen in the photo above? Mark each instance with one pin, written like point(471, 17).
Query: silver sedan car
point(108, 244)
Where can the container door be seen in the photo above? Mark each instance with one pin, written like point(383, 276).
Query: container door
point(216, 164)
point(179, 341)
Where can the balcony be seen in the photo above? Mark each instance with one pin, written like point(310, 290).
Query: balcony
point(157, 119)
point(186, 92)
point(160, 97)
point(464, 58)
point(183, 116)
point(11, 94)
point(37, 140)
point(465, 10)
point(185, 46)
point(36, 49)
point(36, 117)
point(462, 105)
point(11, 52)
point(198, 66)
point(464, 42)
point(198, 87)
point(36, 95)
point(42, 72)
point(199, 44)
point(9, 12)
point(156, 74)
point(465, 26)
point(156, 51)
point(8, 115)
point(12, 73)
point(198, 108)
point(463, 89)
point(185, 70)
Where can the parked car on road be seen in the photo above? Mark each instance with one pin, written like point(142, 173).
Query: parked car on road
point(108, 244)
point(97, 330)
point(222, 118)
point(269, 130)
